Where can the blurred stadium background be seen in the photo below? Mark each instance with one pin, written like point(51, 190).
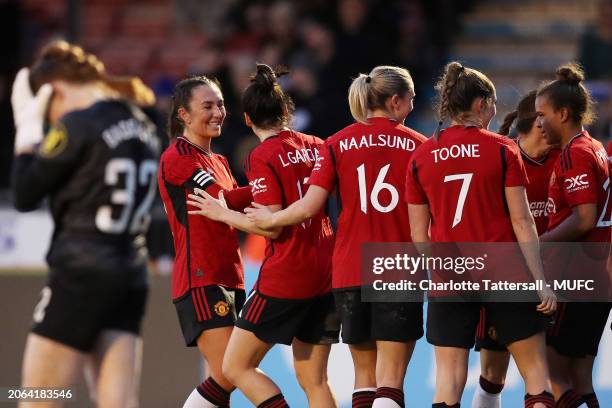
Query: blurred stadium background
point(518, 43)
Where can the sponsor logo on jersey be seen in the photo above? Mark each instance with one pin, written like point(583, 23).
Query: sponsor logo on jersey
point(55, 142)
point(576, 183)
point(538, 208)
point(222, 308)
point(258, 185)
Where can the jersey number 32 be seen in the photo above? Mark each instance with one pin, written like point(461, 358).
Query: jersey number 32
point(134, 216)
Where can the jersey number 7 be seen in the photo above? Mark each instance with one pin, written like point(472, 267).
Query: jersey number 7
point(466, 179)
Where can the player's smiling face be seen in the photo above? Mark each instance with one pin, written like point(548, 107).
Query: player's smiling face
point(206, 112)
point(548, 120)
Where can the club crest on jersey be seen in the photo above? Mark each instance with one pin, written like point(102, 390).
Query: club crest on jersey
point(258, 185)
point(222, 308)
point(576, 183)
point(55, 141)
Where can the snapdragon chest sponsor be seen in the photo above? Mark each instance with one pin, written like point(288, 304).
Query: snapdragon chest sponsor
point(380, 140)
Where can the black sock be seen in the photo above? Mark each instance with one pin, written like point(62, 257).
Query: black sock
point(277, 401)
point(214, 393)
point(363, 399)
point(394, 394)
point(490, 387)
point(569, 399)
point(544, 397)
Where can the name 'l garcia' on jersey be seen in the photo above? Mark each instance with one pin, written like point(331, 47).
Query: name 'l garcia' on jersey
point(381, 140)
point(304, 155)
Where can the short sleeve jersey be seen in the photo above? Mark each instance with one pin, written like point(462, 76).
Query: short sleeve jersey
point(207, 251)
point(539, 173)
point(298, 262)
point(462, 177)
point(581, 177)
point(366, 163)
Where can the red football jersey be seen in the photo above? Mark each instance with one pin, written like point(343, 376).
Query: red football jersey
point(581, 177)
point(539, 173)
point(367, 163)
point(207, 252)
point(298, 262)
point(462, 177)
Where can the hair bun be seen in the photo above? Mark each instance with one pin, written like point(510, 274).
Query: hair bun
point(454, 68)
point(266, 77)
point(570, 73)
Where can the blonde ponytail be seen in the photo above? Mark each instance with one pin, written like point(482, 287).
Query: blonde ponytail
point(358, 98)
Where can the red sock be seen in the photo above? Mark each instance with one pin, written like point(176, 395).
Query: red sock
point(545, 398)
point(591, 400)
point(569, 399)
point(214, 393)
point(363, 398)
point(277, 401)
point(394, 394)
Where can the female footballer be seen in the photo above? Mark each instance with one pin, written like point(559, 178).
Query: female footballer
point(291, 302)
point(578, 212)
point(485, 184)
point(207, 277)
point(366, 163)
point(539, 159)
point(97, 164)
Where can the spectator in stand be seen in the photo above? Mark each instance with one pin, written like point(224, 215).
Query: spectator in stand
point(596, 45)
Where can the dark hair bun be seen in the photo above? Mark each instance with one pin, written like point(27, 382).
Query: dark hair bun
point(265, 77)
point(570, 73)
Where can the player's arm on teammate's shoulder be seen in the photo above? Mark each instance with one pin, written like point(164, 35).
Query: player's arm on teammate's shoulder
point(42, 172)
point(211, 201)
point(297, 212)
point(216, 210)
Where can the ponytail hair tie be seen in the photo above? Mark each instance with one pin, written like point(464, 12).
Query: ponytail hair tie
point(462, 68)
point(368, 79)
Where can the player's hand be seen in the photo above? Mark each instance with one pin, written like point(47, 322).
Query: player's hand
point(208, 206)
point(548, 300)
point(28, 111)
point(260, 215)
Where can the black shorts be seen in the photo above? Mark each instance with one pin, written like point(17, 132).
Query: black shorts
point(384, 321)
point(486, 335)
point(577, 328)
point(205, 308)
point(279, 321)
point(453, 324)
point(75, 316)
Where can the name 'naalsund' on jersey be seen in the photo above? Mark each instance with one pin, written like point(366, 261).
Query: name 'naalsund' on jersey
point(381, 140)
